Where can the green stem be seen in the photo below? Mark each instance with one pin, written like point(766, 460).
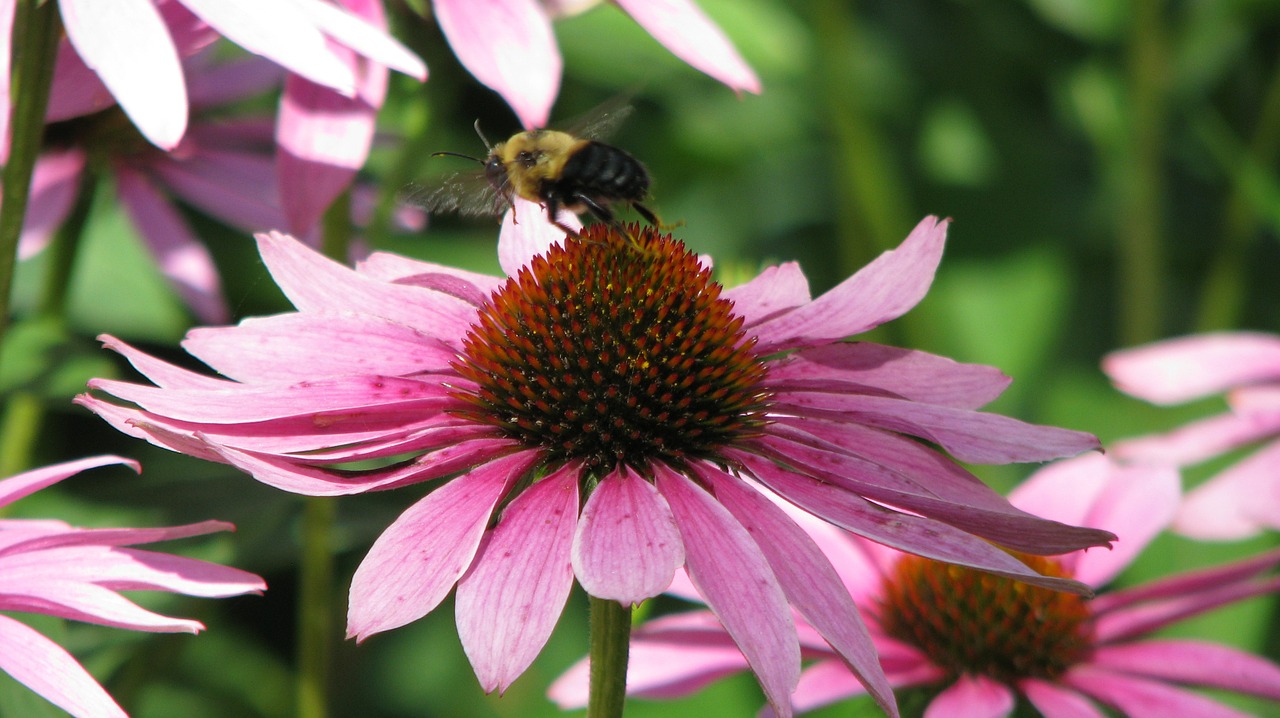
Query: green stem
point(610, 646)
point(315, 608)
point(35, 43)
point(316, 619)
point(1141, 256)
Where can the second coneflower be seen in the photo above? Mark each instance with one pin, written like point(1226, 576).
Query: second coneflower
point(606, 414)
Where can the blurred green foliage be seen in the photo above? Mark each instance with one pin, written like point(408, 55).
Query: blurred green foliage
point(1030, 123)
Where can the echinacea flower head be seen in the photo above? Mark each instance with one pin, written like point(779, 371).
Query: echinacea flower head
point(51, 568)
point(976, 644)
point(607, 413)
point(1244, 498)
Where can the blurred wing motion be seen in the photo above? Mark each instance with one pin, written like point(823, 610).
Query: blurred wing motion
point(467, 193)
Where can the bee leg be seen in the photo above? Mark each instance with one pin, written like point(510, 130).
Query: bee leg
point(652, 218)
point(605, 215)
point(553, 216)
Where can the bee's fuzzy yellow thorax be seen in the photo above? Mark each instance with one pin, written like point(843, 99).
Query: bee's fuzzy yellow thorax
point(533, 157)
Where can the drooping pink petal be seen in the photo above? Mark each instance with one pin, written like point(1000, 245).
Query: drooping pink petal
point(1194, 663)
point(1131, 621)
point(1135, 501)
point(905, 532)
point(1196, 441)
point(1185, 584)
point(29, 482)
point(359, 25)
point(225, 82)
point(1140, 698)
point(810, 583)
point(972, 436)
point(86, 602)
point(71, 536)
point(919, 376)
point(509, 47)
point(44, 667)
point(776, 289)
point(691, 36)
point(122, 569)
point(77, 90)
point(55, 184)
point(234, 185)
point(127, 44)
point(315, 283)
point(726, 565)
point(160, 372)
point(183, 258)
point(526, 233)
point(1241, 501)
point(998, 522)
point(884, 289)
point(626, 546)
point(415, 563)
point(1178, 370)
point(322, 140)
point(281, 31)
point(824, 683)
point(972, 697)
point(292, 347)
point(510, 600)
point(1055, 701)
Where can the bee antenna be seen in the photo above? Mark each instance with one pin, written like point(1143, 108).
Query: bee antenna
point(457, 154)
point(483, 139)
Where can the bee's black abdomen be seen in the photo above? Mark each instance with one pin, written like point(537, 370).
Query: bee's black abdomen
point(601, 171)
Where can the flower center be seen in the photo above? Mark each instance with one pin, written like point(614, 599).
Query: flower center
point(614, 350)
point(972, 622)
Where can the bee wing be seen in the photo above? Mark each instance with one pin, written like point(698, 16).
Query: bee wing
point(602, 120)
point(467, 193)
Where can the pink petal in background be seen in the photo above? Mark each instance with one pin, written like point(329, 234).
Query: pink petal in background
point(685, 30)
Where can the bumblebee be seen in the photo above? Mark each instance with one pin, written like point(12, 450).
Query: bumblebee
point(558, 170)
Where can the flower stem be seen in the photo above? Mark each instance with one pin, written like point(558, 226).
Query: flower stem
point(1141, 257)
point(35, 43)
point(316, 620)
point(610, 646)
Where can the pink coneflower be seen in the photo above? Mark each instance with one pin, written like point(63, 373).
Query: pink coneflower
point(605, 414)
point(1243, 499)
point(978, 645)
point(509, 46)
point(51, 568)
point(131, 52)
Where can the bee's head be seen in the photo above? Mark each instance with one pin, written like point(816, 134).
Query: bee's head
point(496, 170)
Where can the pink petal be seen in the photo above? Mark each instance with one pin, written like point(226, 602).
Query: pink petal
point(509, 47)
point(359, 25)
point(29, 482)
point(1139, 698)
point(853, 367)
point(70, 536)
point(183, 259)
point(776, 289)
point(691, 36)
point(1241, 501)
point(905, 532)
point(1194, 663)
point(1138, 620)
point(1136, 502)
point(1196, 441)
point(389, 267)
point(44, 667)
point(314, 283)
point(122, 569)
point(726, 565)
point(414, 563)
point(526, 233)
point(77, 91)
point(212, 84)
point(1055, 701)
point(292, 347)
point(627, 546)
point(55, 184)
point(998, 522)
point(885, 289)
point(509, 601)
point(323, 138)
point(1185, 584)
point(235, 186)
point(971, 436)
point(972, 697)
point(162, 373)
point(281, 31)
point(1177, 370)
point(128, 45)
point(810, 583)
point(824, 683)
point(7, 9)
point(86, 602)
